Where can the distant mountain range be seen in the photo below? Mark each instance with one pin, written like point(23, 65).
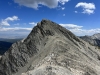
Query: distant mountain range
point(10, 40)
point(5, 44)
point(13, 36)
point(93, 40)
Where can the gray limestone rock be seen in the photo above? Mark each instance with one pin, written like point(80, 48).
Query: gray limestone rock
point(51, 50)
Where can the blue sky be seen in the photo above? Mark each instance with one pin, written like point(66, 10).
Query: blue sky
point(18, 17)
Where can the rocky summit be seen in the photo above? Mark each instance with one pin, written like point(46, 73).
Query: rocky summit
point(51, 49)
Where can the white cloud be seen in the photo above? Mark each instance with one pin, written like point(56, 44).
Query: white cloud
point(12, 18)
point(63, 8)
point(5, 22)
point(86, 5)
point(3, 29)
point(33, 23)
point(88, 11)
point(64, 14)
point(79, 31)
point(88, 8)
point(71, 26)
point(15, 32)
point(35, 3)
point(63, 1)
point(82, 32)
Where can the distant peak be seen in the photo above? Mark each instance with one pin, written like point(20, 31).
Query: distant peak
point(97, 34)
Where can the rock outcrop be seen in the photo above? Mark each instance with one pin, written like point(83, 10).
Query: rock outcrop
point(51, 50)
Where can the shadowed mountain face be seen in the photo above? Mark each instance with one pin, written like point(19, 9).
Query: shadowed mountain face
point(10, 40)
point(51, 50)
point(93, 40)
point(4, 46)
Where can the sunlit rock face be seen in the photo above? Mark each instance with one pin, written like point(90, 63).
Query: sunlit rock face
point(93, 40)
point(51, 50)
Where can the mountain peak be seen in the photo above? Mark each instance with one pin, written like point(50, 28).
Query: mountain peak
point(96, 36)
point(50, 49)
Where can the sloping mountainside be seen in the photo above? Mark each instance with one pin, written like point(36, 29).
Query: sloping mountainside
point(93, 40)
point(4, 46)
point(51, 50)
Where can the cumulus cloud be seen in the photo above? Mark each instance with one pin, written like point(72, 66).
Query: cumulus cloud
point(35, 3)
point(79, 31)
point(33, 23)
point(88, 8)
point(5, 22)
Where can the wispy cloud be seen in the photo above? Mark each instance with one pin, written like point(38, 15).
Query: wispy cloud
point(71, 26)
point(33, 23)
point(79, 30)
point(15, 32)
point(82, 32)
point(3, 29)
point(35, 3)
point(5, 22)
point(88, 8)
